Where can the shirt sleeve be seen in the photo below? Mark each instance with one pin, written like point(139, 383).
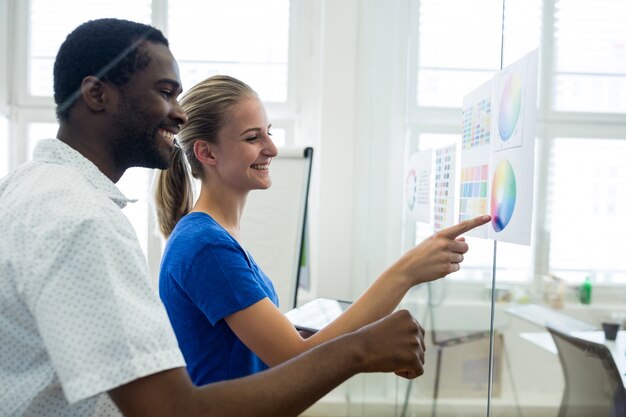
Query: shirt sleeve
point(100, 320)
point(222, 280)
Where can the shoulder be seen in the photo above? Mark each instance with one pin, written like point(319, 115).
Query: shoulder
point(59, 190)
point(54, 202)
point(198, 239)
point(200, 230)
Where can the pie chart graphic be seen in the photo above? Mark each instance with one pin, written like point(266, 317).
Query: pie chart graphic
point(503, 194)
point(510, 106)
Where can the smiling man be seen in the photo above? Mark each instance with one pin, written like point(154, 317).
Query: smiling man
point(128, 115)
point(83, 333)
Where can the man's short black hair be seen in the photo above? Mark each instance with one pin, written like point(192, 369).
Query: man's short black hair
point(106, 48)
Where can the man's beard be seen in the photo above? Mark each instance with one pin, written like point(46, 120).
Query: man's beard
point(137, 144)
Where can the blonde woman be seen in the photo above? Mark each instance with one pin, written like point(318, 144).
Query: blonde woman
point(222, 306)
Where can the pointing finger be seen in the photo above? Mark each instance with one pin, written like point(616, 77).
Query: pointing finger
point(453, 232)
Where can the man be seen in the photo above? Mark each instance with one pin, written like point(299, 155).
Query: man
point(78, 317)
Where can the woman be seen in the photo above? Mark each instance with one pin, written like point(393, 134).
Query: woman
point(222, 306)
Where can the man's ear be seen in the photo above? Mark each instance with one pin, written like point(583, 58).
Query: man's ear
point(205, 152)
point(94, 93)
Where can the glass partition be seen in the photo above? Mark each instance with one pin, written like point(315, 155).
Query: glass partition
point(502, 332)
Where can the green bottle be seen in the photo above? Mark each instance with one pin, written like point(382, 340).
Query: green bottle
point(585, 292)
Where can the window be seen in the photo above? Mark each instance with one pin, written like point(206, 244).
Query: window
point(590, 56)
point(52, 20)
point(457, 53)
point(588, 209)
point(581, 131)
point(248, 39)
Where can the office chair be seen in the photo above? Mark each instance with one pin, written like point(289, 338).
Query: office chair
point(593, 385)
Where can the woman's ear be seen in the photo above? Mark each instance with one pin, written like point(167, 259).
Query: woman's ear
point(93, 92)
point(205, 152)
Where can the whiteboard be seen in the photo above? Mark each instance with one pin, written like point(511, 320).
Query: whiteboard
point(272, 225)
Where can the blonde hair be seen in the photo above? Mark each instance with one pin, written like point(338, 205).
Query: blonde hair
point(207, 105)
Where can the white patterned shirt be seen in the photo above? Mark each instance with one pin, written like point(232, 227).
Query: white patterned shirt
point(78, 315)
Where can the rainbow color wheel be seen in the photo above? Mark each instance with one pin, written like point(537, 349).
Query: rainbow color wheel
point(510, 106)
point(503, 194)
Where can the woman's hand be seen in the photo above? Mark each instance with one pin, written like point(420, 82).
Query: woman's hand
point(437, 256)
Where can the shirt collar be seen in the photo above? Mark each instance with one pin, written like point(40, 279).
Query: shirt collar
point(55, 151)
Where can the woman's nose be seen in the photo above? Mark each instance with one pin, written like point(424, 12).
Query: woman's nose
point(270, 148)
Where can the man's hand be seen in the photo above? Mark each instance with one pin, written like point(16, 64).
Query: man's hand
point(393, 344)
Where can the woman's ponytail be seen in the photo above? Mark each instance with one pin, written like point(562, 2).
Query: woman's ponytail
point(174, 193)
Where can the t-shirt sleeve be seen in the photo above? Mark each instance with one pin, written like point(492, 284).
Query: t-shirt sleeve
point(101, 321)
point(222, 280)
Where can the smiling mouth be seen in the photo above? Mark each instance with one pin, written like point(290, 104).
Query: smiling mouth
point(169, 136)
point(261, 167)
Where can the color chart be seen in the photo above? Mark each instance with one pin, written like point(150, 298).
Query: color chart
point(417, 187)
point(473, 201)
point(445, 168)
point(477, 123)
point(423, 188)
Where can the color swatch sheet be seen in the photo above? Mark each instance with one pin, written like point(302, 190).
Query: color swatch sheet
point(497, 169)
point(475, 156)
point(417, 188)
point(445, 172)
point(477, 118)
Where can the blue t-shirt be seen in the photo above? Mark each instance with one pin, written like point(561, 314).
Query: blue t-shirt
point(206, 276)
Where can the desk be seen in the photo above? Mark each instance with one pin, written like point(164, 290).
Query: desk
point(617, 347)
point(547, 317)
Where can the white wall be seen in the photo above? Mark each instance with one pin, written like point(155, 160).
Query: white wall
point(361, 149)
point(4, 54)
point(335, 152)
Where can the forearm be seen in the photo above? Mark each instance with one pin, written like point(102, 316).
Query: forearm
point(383, 296)
point(379, 300)
point(288, 389)
point(394, 343)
